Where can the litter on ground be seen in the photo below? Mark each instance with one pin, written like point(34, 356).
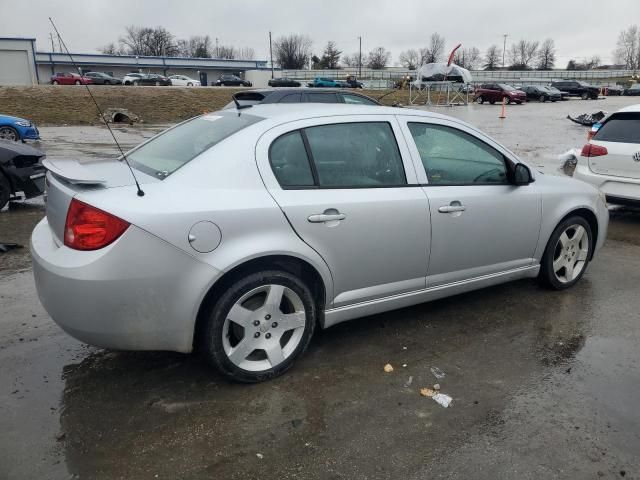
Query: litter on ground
point(437, 373)
point(409, 382)
point(442, 399)
point(388, 368)
point(427, 392)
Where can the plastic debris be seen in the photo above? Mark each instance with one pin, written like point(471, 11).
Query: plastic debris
point(404, 348)
point(437, 373)
point(427, 392)
point(442, 399)
point(259, 455)
point(436, 386)
point(588, 119)
point(409, 382)
point(404, 365)
point(388, 368)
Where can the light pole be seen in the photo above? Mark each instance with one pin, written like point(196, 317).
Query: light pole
point(360, 58)
point(271, 54)
point(504, 47)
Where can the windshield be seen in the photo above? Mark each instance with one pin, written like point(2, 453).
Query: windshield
point(506, 88)
point(176, 147)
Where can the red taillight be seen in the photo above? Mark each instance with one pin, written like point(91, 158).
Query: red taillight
point(591, 150)
point(88, 228)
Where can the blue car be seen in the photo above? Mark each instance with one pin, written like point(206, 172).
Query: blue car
point(14, 129)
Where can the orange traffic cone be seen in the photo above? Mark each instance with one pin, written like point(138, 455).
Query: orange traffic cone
point(503, 113)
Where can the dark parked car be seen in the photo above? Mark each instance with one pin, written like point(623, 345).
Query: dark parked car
point(284, 82)
point(634, 90)
point(100, 78)
point(300, 95)
point(152, 79)
point(576, 88)
point(231, 81)
point(495, 92)
point(541, 93)
point(70, 79)
point(613, 90)
point(21, 170)
point(563, 95)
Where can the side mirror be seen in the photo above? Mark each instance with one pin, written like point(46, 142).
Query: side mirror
point(522, 175)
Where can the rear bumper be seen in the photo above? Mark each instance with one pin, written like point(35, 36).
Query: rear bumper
point(139, 293)
point(616, 189)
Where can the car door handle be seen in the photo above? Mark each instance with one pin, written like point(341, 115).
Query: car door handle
point(326, 217)
point(452, 208)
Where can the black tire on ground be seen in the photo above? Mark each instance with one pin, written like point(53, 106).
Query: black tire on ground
point(77, 82)
point(135, 83)
point(210, 339)
point(189, 84)
point(508, 100)
point(5, 191)
point(480, 100)
point(584, 96)
point(9, 133)
point(107, 82)
point(547, 276)
point(55, 82)
point(543, 98)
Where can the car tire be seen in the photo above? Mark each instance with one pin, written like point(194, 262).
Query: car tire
point(543, 98)
point(157, 84)
point(254, 344)
point(107, 82)
point(55, 82)
point(189, 84)
point(584, 96)
point(135, 83)
point(5, 191)
point(508, 100)
point(77, 82)
point(480, 100)
point(569, 248)
point(9, 133)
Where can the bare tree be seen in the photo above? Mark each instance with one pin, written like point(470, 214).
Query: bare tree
point(351, 60)
point(409, 59)
point(468, 58)
point(245, 53)
point(627, 50)
point(492, 58)
point(435, 51)
point(521, 54)
point(378, 58)
point(547, 55)
point(154, 42)
point(226, 51)
point(112, 49)
point(292, 51)
point(196, 47)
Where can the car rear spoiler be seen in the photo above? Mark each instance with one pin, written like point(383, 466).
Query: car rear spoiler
point(73, 172)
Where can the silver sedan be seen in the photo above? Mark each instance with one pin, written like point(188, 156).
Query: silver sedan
point(259, 225)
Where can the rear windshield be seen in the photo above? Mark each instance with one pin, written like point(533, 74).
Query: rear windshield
point(621, 127)
point(176, 147)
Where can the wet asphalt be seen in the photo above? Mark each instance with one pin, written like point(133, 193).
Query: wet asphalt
point(544, 384)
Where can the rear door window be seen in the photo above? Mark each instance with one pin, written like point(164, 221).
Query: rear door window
point(621, 127)
point(351, 155)
point(289, 161)
point(322, 98)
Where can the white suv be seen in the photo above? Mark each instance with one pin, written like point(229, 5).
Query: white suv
point(611, 159)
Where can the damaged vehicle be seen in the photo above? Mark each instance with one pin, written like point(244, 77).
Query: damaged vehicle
point(21, 171)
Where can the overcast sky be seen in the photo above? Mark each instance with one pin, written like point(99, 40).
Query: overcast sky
point(580, 28)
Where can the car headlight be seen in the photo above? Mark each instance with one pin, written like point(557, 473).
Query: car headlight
point(24, 124)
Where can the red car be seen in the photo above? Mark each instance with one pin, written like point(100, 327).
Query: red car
point(495, 92)
point(70, 79)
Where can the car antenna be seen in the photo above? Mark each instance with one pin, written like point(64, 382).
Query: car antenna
point(238, 106)
point(126, 160)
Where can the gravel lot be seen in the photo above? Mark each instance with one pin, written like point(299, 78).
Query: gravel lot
point(544, 384)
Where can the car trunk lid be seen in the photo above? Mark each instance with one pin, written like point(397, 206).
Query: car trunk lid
point(67, 178)
point(620, 135)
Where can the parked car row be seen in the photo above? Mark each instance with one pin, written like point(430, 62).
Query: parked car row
point(137, 78)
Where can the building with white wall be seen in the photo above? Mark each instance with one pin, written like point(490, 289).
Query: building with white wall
point(17, 61)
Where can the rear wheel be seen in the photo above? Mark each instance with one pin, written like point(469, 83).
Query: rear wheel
point(567, 254)
point(584, 96)
point(9, 133)
point(5, 191)
point(135, 83)
point(259, 326)
point(508, 100)
point(189, 84)
point(543, 98)
point(107, 82)
point(55, 82)
point(480, 99)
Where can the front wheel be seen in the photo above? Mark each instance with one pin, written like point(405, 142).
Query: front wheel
point(259, 326)
point(567, 254)
point(543, 98)
point(480, 100)
point(508, 100)
point(135, 83)
point(77, 82)
point(9, 133)
point(584, 96)
point(55, 82)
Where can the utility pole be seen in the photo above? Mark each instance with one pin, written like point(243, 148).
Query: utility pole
point(53, 47)
point(504, 47)
point(217, 49)
point(360, 58)
point(271, 53)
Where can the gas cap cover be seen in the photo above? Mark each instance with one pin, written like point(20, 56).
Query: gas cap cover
point(204, 237)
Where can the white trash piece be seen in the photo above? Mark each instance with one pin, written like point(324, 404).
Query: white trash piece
point(437, 373)
point(571, 154)
point(442, 399)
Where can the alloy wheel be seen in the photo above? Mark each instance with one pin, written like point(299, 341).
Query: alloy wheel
point(571, 253)
point(264, 327)
point(8, 133)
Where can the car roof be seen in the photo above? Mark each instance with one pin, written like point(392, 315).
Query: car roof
point(631, 108)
